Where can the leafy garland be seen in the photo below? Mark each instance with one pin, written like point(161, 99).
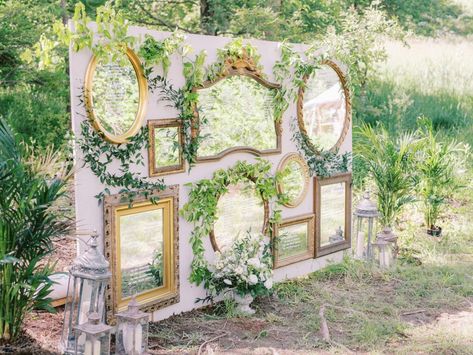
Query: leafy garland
point(98, 153)
point(321, 162)
point(201, 209)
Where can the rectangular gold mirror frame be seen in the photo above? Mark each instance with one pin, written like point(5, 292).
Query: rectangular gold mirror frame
point(160, 297)
point(309, 220)
point(318, 183)
point(153, 125)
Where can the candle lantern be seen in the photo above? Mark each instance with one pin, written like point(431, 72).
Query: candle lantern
point(132, 330)
point(93, 337)
point(366, 214)
point(386, 247)
point(88, 278)
point(337, 237)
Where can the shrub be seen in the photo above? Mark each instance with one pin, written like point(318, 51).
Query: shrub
point(29, 219)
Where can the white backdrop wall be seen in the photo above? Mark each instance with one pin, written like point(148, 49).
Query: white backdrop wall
point(89, 213)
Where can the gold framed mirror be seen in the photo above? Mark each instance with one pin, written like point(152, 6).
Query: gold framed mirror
point(323, 107)
point(141, 244)
point(332, 213)
point(236, 113)
point(295, 180)
point(165, 149)
point(294, 240)
point(116, 96)
point(239, 210)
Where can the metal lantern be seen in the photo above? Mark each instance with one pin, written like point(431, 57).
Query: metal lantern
point(93, 337)
point(386, 248)
point(132, 330)
point(366, 213)
point(88, 278)
point(337, 237)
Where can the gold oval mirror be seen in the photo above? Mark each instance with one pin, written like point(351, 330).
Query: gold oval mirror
point(116, 97)
point(295, 180)
point(323, 108)
point(239, 210)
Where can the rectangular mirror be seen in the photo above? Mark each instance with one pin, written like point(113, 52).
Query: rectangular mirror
point(165, 148)
point(333, 213)
point(141, 244)
point(294, 240)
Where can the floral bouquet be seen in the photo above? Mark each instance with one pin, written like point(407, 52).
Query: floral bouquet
point(245, 268)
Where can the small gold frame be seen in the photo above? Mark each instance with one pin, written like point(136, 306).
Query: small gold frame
point(241, 67)
point(213, 238)
point(143, 99)
point(309, 220)
point(348, 113)
point(282, 165)
point(153, 125)
point(160, 297)
point(345, 178)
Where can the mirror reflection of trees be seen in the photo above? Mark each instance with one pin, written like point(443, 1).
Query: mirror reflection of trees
point(115, 94)
point(332, 214)
point(141, 251)
point(239, 112)
point(324, 108)
point(238, 211)
point(293, 184)
point(166, 146)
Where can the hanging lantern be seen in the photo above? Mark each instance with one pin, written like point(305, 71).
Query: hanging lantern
point(88, 278)
point(132, 330)
point(386, 248)
point(366, 213)
point(93, 337)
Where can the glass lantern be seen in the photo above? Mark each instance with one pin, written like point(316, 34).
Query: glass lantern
point(88, 278)
point(366, 213)
point(386, 243)
point(93, 337)
point(132, 330)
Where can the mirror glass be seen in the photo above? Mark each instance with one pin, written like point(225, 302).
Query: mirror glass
point(294, 182)
point(324, 108)
point(166, 146)
point(237, 111)
point(332, 214)
point(238, 211)
point(293, 240)
point(141, 251)
point(115, 96)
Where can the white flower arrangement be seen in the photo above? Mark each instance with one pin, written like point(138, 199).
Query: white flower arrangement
point(246, 267)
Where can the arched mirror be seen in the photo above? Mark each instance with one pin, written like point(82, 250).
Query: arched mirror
point(239, 210)
point(116, 97)
point(323, 108)
point(295, 181)
point(237, 113)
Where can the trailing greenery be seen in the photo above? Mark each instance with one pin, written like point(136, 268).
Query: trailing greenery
point(201, 209)
point(29, 220)
point(436, 165)
point(390, 162)
point(99, 154)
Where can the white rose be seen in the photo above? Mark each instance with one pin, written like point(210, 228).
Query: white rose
point(239, 270)
point(268, 283)
point(254, 262)
point(253, 279)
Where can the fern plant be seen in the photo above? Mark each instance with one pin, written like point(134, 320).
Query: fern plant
point(29, 219)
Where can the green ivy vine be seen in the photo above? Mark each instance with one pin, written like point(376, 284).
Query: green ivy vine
point(98, 154)
point(201, 208)
point(321, 162)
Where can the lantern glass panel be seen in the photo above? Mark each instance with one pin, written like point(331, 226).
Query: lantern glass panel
point(132, 337)
point(88, 344)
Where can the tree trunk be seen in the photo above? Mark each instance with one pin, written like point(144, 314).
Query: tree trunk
point(206, 18)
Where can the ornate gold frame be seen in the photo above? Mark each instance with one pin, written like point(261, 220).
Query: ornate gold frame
point(282, 165)
point(212, 236)
point(318, 183)
point(300, 106)
point(143, 97)
point(309, 220)
point(172, 169)
point(159, 297)
point(245, 67)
